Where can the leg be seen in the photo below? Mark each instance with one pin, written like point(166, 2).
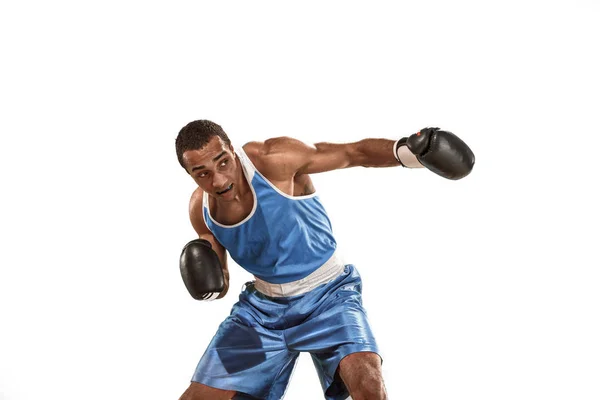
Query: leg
point(361, 373)
point(336, 328)
point(242, 350)
point(198, 391)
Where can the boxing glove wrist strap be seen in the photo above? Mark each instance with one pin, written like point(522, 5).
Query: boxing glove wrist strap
point(399, 142)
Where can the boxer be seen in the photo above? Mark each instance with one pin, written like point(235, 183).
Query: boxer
point(258, 203)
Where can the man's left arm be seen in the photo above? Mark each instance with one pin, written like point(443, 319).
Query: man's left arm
point(440, 151)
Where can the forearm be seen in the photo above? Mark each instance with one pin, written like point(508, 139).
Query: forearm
point(380, 153)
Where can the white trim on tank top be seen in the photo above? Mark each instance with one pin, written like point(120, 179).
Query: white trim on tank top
point(249, 171)
point(308, 196)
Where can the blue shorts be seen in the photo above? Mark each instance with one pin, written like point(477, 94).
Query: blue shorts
point(256, 348)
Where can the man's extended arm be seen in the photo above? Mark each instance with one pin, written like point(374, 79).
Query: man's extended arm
point(376, 153)
point(440, 151)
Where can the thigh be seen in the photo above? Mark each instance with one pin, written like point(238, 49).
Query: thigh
point(338, 327)
point(361, 375)
point(360, 367)
point(198, 391)
point(246, 357)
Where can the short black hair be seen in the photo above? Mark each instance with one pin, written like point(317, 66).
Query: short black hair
point(196, 135)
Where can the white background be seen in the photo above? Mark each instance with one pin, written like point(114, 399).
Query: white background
point(484, 288)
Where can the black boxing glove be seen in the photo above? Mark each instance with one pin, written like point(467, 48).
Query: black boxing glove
point(201, 270)
point(440, 151)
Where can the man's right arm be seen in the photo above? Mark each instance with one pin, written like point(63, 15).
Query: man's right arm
point(197, 220)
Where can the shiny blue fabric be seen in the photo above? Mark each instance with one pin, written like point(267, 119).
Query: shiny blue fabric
point(256, 348)
point(285, 239)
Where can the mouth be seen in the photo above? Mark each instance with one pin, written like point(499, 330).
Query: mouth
point(227, 189)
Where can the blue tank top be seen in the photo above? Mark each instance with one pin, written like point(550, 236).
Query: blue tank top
point(283, 239)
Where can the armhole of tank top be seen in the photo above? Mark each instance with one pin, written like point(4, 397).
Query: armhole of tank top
point(268, 182)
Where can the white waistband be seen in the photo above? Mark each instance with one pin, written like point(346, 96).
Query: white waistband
point(325, 273)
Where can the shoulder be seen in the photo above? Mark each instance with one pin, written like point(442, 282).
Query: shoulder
point(277, 155)
point(273, 147)
point(254, 150)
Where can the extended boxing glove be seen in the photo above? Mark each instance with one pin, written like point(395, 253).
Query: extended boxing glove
point(440, 151)
point(201, 270)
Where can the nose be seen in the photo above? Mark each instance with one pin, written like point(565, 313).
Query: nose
point(219, 181)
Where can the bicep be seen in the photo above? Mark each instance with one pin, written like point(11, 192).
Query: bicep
point(328, 157)
point(297, 157)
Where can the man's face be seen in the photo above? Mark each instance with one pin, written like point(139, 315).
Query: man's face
point(214, 169)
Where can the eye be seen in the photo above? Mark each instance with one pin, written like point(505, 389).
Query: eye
point(202, 174)
point(224, 163)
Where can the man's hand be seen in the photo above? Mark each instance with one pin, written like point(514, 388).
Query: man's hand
point(201, 270)
point(440, 151)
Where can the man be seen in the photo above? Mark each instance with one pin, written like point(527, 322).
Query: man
point(258, 203)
